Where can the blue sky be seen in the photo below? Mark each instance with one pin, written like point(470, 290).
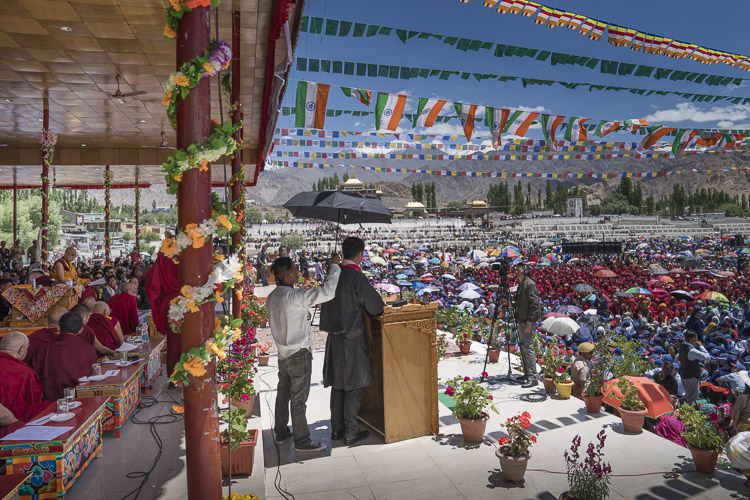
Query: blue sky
point(718, 26)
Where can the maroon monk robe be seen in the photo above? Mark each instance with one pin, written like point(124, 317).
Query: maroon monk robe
point(104, 329)
point(89, 291)
point(162, 285)
point(88, 334)
point(124, 307)
point(62, 362)
point(20, 388)
point(37, 340)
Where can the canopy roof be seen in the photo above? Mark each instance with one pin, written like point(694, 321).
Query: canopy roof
point(64, 54)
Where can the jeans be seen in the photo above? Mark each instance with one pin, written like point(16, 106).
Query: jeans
point(344, 411)
point(292, 391)
point(692, 387)
point(526, 341)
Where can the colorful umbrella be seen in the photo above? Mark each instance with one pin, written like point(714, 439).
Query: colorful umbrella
point(448, 277)
point(665, 279)
point(699, 284)
point(605, 273)
point(387, 287)
point(554, 314)
point(638, 290)
point(709, 295)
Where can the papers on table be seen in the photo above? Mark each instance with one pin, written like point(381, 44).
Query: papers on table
point(37, 433)
point(42, 420)
point(126, 347)
point(111, 373)
point(105, 360)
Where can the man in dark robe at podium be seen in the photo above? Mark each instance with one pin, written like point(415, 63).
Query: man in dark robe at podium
point(347, 368)
point(163, 285)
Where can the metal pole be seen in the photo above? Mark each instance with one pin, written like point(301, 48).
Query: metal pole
point(15, 209)
point(238, 187)
point(107, 208)
point(45, 193)
point(193, 206)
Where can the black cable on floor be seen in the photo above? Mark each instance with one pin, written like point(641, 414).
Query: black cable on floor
point(168, 418)
point(277, 478)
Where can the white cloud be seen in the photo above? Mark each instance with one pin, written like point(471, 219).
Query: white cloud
point(535, 109)
point(686, 111)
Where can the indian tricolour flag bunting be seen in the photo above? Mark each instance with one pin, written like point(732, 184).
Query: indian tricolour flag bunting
point(550, 123)
point(655, 133)
point(362, 95)
point(493, 119)
point(466, 115)
point(311, 105)
point(575, 131)
point(682, 140)
point(606, 127)
point(388, 110)
point(427, 111)
point(634, 124)
point(517, 122)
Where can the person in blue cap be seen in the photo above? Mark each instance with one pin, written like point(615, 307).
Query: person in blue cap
point(695, 322)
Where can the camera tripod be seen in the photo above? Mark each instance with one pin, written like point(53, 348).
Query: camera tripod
point(509, 324)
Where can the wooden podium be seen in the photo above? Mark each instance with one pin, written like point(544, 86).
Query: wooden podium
point(388, 405)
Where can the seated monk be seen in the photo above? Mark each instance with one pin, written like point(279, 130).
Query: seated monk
point(63, 361)
point(89, 302)
point(45, 335)
point(108, 334)
point(124, 307)
point(88, 333)
point(8, 422)
point(64, 269)
point(20, 387)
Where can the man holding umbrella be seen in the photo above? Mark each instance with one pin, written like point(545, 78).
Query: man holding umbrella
point(528, 314)
point(347, 368)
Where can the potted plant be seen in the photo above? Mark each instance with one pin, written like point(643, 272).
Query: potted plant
point(442, 346)
point(514, 452)
point(253, 311)
point(235, 373)
point(492, 339)
point(237, 496)
point(702, 437)
point(264, 353)
point(237, 440)
point(563, 384)
point(464, 333)
point(550, 362)
point(471, 400)
point(451, 320)
point(440, 319)
point(588, 479)
point(632, 410)
point(593, 393)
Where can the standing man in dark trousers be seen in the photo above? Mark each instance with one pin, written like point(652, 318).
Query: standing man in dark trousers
point(348, 368)
point(528, 314)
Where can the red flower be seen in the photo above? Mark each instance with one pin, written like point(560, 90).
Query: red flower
point(484, 374)
point(449, 391)
point(533, 438)
point(489, 397)
point(502, 441)
point(466, 379)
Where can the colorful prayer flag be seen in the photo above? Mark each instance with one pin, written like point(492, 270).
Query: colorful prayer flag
point(310, 108)
point(565, 18)
point(361, 95)
point(517, 6)
point(466, 115)
point(575, 131)
point(504, 6)
point(598, 31)
point(587, 26)
point(543, 15)
point(388, 110)
point(576, 21)
point(550, 123)
point(427, 111)
point(530, 8)
point(638, 39)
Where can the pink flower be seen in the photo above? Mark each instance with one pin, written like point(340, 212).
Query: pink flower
point(466, 379)
point(489, 397)
point(449, 391)
point(502, 441)
point(484, 374)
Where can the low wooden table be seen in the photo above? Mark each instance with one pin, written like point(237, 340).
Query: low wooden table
point(150, 352)
point(122, 391)
point(54, 466)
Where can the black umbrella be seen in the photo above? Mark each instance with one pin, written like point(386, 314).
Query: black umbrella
point(623, 294)
point(338, 206)
point(583, 287)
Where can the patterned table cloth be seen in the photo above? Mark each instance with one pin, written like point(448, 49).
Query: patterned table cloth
point(35, 302)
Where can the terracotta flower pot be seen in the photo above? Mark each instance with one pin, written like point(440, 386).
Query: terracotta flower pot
point(566, 495)
point(632, 421)
point(564, 389)
point(473, 428)
point(465, 348)
point(242, 459)
point(514, 468)
point(453, 329)
point(244, 404)
point(593, 403)
point(549, 385)
point(704, 460)
point(263, 359)
point(494, 355)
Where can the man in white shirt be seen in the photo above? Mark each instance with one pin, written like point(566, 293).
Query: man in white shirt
point(289, 317)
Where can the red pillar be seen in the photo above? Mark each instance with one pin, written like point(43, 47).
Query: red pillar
point(15, 209)
point(237, 187)
point(107, 208)
point(45, 194)
point(194, 205)
point(137, 214)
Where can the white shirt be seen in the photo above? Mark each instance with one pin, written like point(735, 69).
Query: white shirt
point(288, 313)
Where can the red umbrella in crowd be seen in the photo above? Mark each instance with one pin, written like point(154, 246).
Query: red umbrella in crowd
point(699, 284)
point(605, 273)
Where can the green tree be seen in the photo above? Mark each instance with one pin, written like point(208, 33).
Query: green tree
point(295, 240)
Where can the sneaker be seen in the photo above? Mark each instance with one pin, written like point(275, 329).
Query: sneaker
point(531, 383)
point(283, 438)
point(335, 436)
point(357, 438)
point(310, 446)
